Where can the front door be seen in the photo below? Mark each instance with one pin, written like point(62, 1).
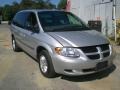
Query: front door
point(31, 34)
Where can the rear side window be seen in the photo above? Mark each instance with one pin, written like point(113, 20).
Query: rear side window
point(19, 19)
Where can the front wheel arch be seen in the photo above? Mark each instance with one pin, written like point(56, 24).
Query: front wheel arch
point(41, 47)
point(50, 71)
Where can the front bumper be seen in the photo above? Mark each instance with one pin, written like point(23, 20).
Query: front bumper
point(79, 66)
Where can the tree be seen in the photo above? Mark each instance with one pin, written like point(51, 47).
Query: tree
point(26, 4)
point(62, 4)
point(52, 6)
point(0, 14)
point(39, 4)
point(15, 8)
point(1, 10)
point(8, 11)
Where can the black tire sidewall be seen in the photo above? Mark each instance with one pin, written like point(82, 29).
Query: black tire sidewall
point(50, 71)
point(16, 49)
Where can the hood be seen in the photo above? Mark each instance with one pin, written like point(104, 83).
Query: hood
point(79, 38)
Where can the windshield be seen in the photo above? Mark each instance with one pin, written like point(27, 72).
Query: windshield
point(54, 21)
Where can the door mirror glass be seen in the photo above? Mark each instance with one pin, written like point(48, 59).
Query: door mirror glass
point(95, 24)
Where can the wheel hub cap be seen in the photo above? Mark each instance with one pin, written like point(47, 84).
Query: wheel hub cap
point(43, 64)
point(13, 44)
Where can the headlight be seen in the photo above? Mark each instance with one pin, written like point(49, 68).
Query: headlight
point(67, 52)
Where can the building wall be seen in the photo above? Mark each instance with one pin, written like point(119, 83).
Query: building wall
point(118, 9)
point(95, 10)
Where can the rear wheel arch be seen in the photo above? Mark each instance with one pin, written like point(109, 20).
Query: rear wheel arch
point(15, 46)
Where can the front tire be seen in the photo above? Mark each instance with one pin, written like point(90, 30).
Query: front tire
point(15, 47)
point(45, 64)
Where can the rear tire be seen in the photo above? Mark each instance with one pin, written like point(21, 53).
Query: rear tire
point(45, 65)
point(15, 47)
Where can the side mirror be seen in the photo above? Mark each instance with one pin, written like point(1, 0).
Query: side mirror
point(28, 26)
point(95, 24)
point(32, 28)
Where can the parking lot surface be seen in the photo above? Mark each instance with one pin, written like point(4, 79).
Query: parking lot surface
point(18, 71)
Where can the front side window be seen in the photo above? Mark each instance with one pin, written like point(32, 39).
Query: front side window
point(60, 21)
point(31, 23)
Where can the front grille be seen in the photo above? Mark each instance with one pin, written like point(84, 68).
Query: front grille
point(96, 52)
point(93, 56)
point(104, 47)
point(106, 54)
point(89, 49)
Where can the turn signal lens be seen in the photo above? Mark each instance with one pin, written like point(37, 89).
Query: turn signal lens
point(58, 50)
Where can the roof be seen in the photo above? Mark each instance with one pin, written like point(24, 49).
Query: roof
point(39, 10)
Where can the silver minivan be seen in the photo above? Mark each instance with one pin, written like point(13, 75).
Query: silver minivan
point(61, 42)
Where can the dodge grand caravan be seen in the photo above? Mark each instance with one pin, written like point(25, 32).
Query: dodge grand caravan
point(61, 42)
